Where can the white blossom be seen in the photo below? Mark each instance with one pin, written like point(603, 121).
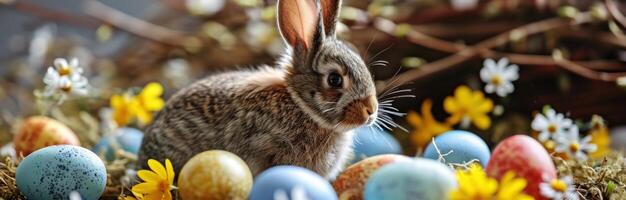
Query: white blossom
point(559, 189)
point(499, 76)
point(551, 125)
point(571, 144)
point(65, 79)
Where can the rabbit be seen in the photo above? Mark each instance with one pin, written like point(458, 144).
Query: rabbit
point(300, 112)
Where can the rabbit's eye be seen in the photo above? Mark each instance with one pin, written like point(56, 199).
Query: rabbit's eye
point(335, 80)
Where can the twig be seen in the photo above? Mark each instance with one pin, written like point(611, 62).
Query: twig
point(464, 54)
point(588, 73)
point(134, 25)
point(615, 13)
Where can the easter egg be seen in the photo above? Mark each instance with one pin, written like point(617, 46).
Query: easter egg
point(458, 147)
point(54, 172)
point(215, 175)
point(527, 158)
point(369, 141)
point(423, 179)
point(127, 139)
point(39, 132)
point(350, 183)
point(291, 182)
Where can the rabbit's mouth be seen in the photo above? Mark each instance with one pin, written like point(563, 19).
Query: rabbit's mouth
point(361, 112)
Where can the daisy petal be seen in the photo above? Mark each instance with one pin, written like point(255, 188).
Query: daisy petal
point(145, 188)
point(149, 176)
point(170, 171)
point(158, 168)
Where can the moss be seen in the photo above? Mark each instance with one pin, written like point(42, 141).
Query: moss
point(597, 179)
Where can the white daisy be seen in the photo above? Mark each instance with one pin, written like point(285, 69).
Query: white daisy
point(499, 76)
point(297, 193)
point(65, 79)
point(559, 189)
point(551, 125)
point(571, 144)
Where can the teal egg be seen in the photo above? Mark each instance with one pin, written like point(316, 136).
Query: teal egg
point(422, 179)
point(460, 146)
point(54, 172)
point(128, 139)
point(371, 141)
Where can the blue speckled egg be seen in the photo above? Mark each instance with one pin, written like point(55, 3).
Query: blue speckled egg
point(422, 179)
point(128, 139)
point(285, 181)
point(462, 147)
point(371, 141)
point(54, 172)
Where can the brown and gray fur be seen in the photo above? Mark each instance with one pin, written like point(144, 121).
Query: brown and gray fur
point(281, 115)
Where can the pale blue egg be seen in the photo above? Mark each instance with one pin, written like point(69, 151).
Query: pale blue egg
point(285, 181)
point(128, 139)
point(371, 141)
point(460, 146)
point(422, 179)
point(54, 172)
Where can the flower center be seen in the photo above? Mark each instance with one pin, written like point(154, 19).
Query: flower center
point(164, 186)
point(496, 80)
point(66, 86)
point(574, 146)
point(549, 145)
point(552, 128)
point(559, 185)
point(65, 70)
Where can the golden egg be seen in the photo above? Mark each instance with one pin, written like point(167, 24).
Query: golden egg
point(215, 175)
point(38, 132)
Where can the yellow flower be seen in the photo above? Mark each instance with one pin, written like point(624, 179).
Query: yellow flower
point(425, 126)
point(127, 107)
point(512, 188)
point(158, 182)
point(149, 101)
point(124, 108)
point(476, 185)
point(467, 105)
point(600, 137)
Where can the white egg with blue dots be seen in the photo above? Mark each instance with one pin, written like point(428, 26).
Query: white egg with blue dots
point(54, 172)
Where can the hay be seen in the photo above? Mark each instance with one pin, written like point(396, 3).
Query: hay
point(596, 179)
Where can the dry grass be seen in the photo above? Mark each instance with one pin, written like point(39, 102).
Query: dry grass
point(597, 179)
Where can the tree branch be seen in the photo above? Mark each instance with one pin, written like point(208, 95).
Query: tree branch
point(463, 53)
point(134, 25)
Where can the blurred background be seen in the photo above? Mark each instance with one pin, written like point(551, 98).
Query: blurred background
point(570, 52)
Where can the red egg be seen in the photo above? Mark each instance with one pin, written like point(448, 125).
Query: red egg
point(351, 182)
point(527, 158)
point(38, 132)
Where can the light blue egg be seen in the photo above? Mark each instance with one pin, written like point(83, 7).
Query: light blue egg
point(54, 172)
point(460, 146)
point(422, 179)
point(371, 141)
point(129, 139)
point(286, 180)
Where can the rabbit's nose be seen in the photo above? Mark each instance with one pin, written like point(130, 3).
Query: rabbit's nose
point(370, 106)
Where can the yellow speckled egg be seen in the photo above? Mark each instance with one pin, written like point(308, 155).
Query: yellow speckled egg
point(351, 182)
point(215, 175)
point(38, 132)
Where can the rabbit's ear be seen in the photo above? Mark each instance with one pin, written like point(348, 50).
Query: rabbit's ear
point(330, 15)
point(298, 21)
